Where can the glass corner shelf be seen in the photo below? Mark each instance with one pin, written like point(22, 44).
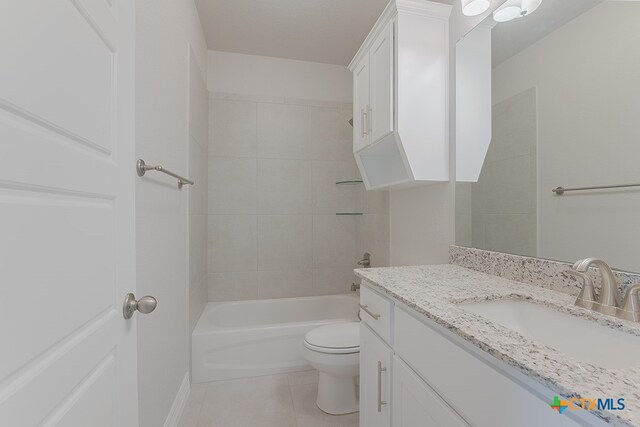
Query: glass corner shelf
point(349, 182)
point(348, 213)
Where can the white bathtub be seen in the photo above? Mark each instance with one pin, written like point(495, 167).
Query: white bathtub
point(261, 337)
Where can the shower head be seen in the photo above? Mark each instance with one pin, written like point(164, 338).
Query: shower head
point(351, 121)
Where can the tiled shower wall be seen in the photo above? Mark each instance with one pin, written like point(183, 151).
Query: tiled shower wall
point(273, 231)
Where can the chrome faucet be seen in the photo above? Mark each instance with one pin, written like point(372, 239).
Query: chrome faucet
point(365, 262)
point(630, 309)
point(586, 298)
point(608, 299)
point(607, 302)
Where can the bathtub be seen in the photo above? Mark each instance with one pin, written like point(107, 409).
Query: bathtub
point(261, 337)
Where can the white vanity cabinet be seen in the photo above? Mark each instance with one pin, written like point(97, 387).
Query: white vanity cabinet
point(416, 404)
point(435, 378)
point(375, 379)
point(400, 93)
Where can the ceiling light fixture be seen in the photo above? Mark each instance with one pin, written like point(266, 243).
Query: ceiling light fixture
point(474, 7)
point(513, 9)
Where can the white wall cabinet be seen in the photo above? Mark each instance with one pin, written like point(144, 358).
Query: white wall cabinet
point(381, 120)
point(400, 84)
point(375, 379)
point(360, 105)
point(435, 378)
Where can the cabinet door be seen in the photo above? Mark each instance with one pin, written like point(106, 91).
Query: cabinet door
point(415, 404)
point(361, 105)
point(375, 380)
point(381, 59)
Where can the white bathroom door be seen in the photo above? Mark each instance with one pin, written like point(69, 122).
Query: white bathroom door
point(67, 171)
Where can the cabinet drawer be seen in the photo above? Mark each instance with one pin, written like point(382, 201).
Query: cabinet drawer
point(375, 311)
point(471, 384)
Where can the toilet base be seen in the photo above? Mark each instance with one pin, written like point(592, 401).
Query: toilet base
point(337, 395)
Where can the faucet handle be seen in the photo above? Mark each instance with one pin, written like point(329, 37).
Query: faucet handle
point(630, 309)
point(586, 298)
point(366, 260)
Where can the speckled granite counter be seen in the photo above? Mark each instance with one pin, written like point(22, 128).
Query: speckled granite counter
point(435, 290)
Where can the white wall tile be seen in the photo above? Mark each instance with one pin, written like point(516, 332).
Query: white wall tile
point(333, 280)
point(335, 240)
point(508, 186)
point(328, 197)
point(285, 283)
point(233, 286)
point(283, 131)
point(375, 238)
point(233, 129)
point(284, 242)
point(273, 164)
point(284, 186)
point(232, 185)
point(233, 243)
point(328, 134)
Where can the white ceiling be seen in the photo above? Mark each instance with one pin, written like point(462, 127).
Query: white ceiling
point(327, 31)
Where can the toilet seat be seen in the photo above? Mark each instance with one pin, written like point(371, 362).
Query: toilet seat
point(338, 338)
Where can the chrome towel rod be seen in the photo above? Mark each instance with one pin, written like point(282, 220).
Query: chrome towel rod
point(560, 190)
point(142, 168)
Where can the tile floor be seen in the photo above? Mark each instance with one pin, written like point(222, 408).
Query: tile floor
point(287, 400)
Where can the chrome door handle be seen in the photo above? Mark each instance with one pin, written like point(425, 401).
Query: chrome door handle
point(380, 401)
point(369, 312)
point(369, 115)
point(144, 305)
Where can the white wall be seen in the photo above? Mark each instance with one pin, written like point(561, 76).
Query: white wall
point(198, 194)
point(588, 131)
point(164, 30)
point(422, 219)
point(259, 75)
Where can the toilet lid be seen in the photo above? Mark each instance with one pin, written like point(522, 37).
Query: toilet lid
point(335, 338)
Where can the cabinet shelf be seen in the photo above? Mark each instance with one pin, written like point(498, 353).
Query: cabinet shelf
point(349, 182)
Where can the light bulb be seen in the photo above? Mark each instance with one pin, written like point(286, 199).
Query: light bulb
point(474, 7)
point(510, 10)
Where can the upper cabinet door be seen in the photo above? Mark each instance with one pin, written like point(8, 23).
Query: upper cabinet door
point(361, 119)
point(381, 58)
point(401, 134)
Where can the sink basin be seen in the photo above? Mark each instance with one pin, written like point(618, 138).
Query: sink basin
point(581, 339)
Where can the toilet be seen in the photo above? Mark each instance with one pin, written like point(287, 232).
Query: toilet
point(334, 350)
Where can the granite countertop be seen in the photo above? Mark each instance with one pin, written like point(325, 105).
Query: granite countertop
point(434, 291)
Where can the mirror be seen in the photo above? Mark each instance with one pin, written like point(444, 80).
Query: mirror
point(548, 100)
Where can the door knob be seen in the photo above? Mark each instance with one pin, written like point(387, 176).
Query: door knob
point(144, 305)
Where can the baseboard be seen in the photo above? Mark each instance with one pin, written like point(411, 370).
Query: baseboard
point(178, 403)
